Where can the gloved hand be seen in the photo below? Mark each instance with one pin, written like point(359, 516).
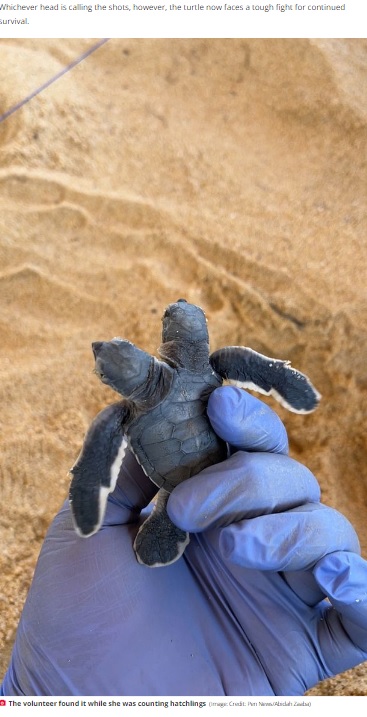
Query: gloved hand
point(241, 613)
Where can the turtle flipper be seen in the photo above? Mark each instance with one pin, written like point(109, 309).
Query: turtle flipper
point(248, 369)
point(159, 542)
point(95, 472)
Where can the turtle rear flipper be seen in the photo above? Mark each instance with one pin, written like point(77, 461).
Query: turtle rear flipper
point(158, 541)
point(246, 368)
point(95, 472)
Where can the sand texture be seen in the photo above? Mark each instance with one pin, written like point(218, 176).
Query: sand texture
point(229, 172)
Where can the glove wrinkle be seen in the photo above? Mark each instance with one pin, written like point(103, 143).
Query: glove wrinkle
point(258, 606)
point(246, 667)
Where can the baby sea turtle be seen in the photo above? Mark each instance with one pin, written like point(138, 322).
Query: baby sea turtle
point(163, 420)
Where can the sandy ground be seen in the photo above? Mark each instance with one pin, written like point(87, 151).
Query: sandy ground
point(230, 172)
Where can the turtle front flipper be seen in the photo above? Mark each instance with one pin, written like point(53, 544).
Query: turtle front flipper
point(159, 542)
point(95, 472)
point(246, 368)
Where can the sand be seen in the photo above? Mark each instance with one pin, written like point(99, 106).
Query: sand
point(230, 172)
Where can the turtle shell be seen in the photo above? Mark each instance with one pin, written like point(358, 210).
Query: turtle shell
point(175, 440)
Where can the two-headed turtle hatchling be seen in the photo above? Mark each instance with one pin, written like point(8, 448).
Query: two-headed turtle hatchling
point(163, 420)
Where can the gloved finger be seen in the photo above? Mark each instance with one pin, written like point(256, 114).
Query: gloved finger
point(245, 422)
point(244, 486)
point(294, 540)
point(343, 578)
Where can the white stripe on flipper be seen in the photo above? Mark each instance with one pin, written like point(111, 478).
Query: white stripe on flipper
point(253, 387)
point(116, 465)
point(104, 491)
point(273, 392)
point(181, 546)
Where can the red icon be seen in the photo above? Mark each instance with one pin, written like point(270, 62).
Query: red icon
point(2, 703)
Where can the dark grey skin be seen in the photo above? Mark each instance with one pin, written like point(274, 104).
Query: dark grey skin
point(163, 420)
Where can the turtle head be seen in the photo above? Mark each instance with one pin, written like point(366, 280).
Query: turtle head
point(184, 321)
point(121, 365)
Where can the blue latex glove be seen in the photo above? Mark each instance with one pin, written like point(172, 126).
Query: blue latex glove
point(242, 613)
